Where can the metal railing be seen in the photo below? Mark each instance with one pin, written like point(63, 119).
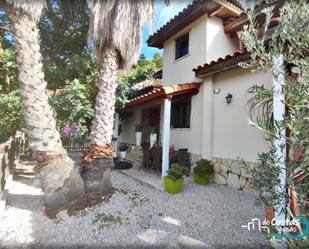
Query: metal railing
point(75, 144)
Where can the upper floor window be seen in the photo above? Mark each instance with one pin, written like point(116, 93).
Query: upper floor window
point(182, 46)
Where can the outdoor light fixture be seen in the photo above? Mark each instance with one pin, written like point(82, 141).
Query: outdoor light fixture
point(216, 90)
point(228, 98)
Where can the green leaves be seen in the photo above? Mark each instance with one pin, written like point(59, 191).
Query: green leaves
point(73, 106)
point(11, 118)
point(290, 38)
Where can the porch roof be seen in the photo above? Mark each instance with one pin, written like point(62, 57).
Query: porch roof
point(157, 95)
point(221, 64)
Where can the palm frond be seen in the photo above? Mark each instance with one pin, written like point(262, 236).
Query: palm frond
point(118, 24)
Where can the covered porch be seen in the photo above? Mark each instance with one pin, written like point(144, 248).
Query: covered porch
point(152, 107)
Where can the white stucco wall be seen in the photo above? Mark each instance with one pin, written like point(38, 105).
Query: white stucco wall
point(128, 126)
point(180, 71)
point(232, 135)
point(219, 44)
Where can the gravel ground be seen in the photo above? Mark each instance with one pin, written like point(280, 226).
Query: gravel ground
point(137, 216)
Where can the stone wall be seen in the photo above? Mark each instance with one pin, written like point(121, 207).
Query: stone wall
point(234, 174)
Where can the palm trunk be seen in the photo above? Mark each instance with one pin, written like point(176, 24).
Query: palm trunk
point(60, 181)
point(102, 126)
point(98, 159)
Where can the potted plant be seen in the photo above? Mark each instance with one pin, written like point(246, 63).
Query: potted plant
point(138, 134)
point(173, 182)
point(203, 171)
point(123, 150)
point(153, 136)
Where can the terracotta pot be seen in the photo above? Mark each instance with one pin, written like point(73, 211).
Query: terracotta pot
point(269, 213)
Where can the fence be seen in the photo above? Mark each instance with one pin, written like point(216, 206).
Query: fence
point(75, 144)
point(8, 152)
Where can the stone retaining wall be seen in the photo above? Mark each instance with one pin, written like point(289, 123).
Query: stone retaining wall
point(234, 173)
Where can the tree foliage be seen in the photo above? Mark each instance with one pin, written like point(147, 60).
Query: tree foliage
point(73, 107)
point(290, 39)
point(11, 118)
point(63, 30)
point(143, 70)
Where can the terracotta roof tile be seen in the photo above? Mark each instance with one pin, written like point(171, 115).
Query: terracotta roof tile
point(164, 92)
point(228, 57)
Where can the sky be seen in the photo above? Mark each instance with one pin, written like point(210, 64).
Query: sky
point(163, 14)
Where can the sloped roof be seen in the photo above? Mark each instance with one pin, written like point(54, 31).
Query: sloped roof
point(221, 64)
point(160, 93)
point(191, 13)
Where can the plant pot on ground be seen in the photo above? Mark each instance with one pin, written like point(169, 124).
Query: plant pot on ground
point(123, 150)
point(138, 134)
point(153, 136)
point(203, 171)
point(173, 182)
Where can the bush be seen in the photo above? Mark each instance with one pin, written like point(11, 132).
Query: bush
point(139, 127)
point(204, 167)
point(11, 118)
point(177, 171)
point(123, 147)
point(73, 109)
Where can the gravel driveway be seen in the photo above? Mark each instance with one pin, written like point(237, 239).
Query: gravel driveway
point(137, 216)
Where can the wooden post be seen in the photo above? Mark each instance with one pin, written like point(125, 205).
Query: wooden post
point(280, 140)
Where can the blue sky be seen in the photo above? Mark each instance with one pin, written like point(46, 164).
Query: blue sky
point(163, 14)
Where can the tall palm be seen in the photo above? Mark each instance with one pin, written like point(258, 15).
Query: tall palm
point(116, 32)
point(52, 165)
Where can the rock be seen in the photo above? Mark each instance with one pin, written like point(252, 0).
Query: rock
point(233, 181)
point(96, 175)
point(217, 167)
point(249, 189)
point(244, 172)
point(242, 181)
point(223, 173)
point(219, 179)
point(224, 168)
point(235, 167)
point(61, 184)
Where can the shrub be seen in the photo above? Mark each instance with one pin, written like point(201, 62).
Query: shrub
point(123, 147)
point(139, 127)
point(177, 171)
point(204, 167)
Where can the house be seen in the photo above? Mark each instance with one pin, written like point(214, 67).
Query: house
point(202, 103)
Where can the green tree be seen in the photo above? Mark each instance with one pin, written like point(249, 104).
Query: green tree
point(56, 172)
point(63, 30)
point(73, 107)
point(290, 40)
point(116, 32)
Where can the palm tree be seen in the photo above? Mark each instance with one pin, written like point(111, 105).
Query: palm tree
point(55, 171)
point(116, 32)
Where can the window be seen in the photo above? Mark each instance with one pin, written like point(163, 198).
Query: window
point(182, 46)
point(180, 114)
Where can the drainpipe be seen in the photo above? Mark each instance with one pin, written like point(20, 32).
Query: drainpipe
point(280, 139)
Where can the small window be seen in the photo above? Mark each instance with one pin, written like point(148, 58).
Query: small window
point(182, 46)
point(180, 114)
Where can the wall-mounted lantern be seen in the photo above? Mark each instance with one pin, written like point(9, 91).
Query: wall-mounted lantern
point(228, 98)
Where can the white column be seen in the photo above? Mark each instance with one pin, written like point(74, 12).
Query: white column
point(116, 125)
point(166, 135)
point(207, 119)
point(280, 140)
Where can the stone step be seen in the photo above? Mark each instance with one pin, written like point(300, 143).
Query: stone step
point(136, 153)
